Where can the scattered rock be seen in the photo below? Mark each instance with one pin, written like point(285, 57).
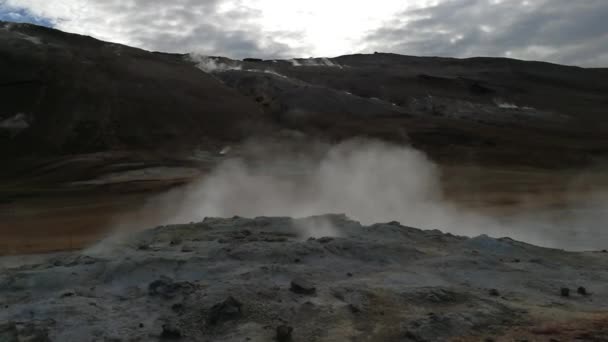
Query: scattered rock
point(494, 293)
point(354, 308)
point(565, 292)
point(349, 274)
point(171, 332)
point(17, 332)
point(143, 247)
point(227, 310)
point(177, 307)
point(441, 296)
point(8, 332)
point(167, 288)
point(274, 239)
point(82, 260)
point(582, 291)
point(162, 286)
point(69, 293)
point(33, 334)
point(301, 286)
point(325, 239)
point(284, 333)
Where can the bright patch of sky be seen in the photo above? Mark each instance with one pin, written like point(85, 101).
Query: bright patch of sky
point(21, 15)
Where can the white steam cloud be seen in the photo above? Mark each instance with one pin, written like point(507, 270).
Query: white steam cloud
point(217, 64)
point(312, 62)
point(353, 178)
point(366, 180)
point(213, 64)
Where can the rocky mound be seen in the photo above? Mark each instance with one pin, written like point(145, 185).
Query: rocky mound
point(282, 279)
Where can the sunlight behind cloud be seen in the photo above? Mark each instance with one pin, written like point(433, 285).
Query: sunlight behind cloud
point(330, 27)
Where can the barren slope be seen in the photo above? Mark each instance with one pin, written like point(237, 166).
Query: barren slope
point(67, 94)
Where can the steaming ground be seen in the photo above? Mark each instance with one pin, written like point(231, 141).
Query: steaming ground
point(319, 278)
point(369, 181)
point(101, 194)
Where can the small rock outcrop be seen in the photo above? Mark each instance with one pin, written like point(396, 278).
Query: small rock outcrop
point(227, 310)
point(171, 332)
point(302, 286)
point(165, 287)
point(284, 333)
point(18, 332)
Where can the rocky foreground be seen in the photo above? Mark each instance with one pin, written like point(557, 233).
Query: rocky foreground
point(281, 279)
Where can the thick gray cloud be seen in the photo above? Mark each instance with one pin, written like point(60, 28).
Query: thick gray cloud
point(213, 27)
point(203, 27)
point(561, 31)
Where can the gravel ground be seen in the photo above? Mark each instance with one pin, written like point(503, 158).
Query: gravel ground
point(265, 279)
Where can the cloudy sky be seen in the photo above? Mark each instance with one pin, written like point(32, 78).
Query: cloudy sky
point(562, 31)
